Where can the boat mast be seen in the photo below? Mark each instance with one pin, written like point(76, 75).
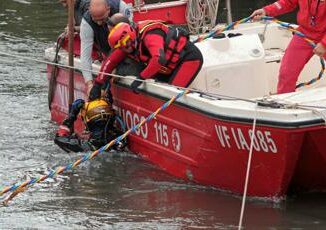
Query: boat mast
point(229, 12)
point(71, 51)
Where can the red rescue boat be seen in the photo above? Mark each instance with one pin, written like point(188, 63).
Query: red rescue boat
point(205, 137)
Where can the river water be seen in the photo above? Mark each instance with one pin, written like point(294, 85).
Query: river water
point(118, 191)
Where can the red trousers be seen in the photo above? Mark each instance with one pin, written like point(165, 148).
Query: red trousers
point(296, 56)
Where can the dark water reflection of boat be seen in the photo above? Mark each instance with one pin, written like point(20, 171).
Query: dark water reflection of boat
point(120, 192)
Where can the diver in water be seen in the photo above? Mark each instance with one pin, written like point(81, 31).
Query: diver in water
point(100, 121)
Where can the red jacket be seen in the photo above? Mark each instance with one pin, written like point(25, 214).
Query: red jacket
point(306, 10)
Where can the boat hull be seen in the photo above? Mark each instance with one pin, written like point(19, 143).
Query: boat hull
point(310, 173)
point(210, 149)
point(204, 149)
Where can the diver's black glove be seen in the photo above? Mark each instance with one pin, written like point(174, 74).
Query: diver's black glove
point(135, 84)
point(95, 92)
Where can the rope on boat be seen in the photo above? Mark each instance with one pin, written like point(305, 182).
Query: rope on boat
point(202, 93)
point(244, 197)
point(265, 101)
point(201, 15)
point(221, 30)
point(21, 187)
point(286, 25)
point(320, 75)
point(289, 27)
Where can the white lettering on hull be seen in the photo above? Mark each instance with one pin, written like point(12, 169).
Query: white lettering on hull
point(223, 136)
point(162, 133)
point(131, 119)
point(262, 140)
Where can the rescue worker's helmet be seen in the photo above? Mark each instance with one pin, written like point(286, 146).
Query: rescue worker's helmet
point(121, 34)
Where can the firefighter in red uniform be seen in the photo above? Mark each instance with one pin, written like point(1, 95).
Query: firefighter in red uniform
point(166, 52)
point(312, 22)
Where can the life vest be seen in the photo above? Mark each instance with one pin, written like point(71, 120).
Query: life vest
point(174, 42)
point(96, 110)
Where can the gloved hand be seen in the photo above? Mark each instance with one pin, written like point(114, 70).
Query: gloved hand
point(77, 105)
point(135, 84)
point(95, 92)
point(63, 131)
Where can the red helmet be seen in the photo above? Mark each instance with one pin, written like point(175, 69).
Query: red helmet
point(121, 34)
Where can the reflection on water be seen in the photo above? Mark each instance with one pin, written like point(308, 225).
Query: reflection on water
point(114, 191)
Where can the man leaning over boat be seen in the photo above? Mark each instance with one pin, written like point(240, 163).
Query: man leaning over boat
point(166, 51)
point(94, 30)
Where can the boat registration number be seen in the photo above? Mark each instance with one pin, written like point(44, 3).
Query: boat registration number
point(229, 137)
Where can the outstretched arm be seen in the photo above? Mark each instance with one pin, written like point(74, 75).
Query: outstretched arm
point(275, 9)
point(109, 65)
point(75, 109)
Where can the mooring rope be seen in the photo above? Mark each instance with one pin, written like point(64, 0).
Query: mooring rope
point(245, 187)
point(21, 187)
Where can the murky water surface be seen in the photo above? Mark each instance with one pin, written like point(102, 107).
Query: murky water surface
point(118, 191)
